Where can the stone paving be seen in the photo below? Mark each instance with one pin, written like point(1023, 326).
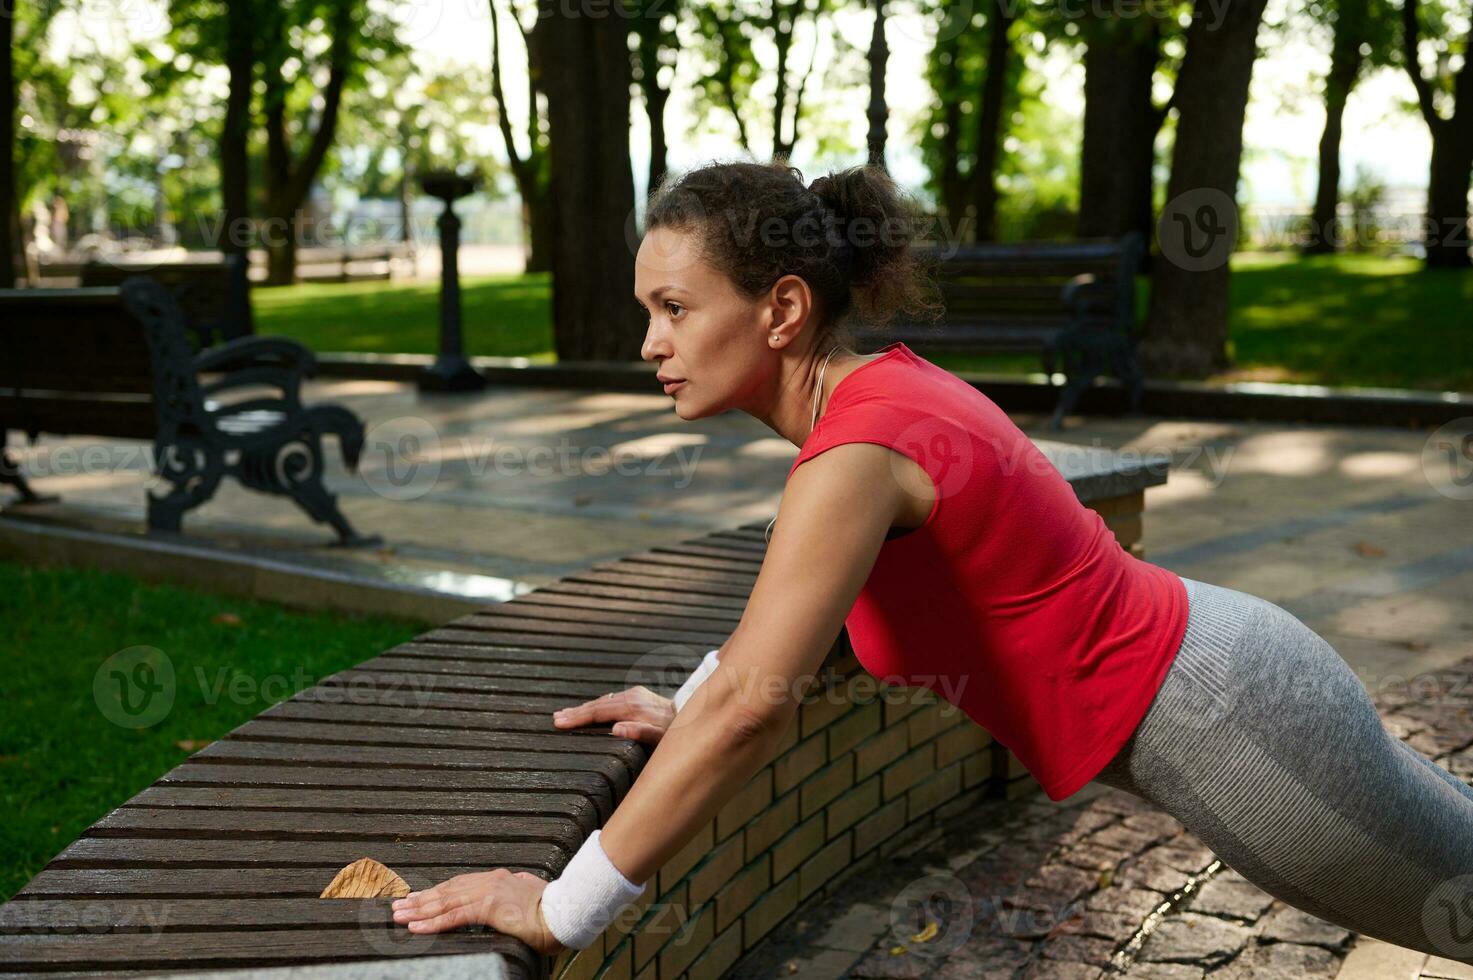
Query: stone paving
point(1101, 884)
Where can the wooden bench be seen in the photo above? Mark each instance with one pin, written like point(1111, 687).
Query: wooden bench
point(1073, 303)
point(116, 362)
point(213, 295)
point(439, 758)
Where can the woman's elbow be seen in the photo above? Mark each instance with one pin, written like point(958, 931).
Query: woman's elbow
point(744, 726)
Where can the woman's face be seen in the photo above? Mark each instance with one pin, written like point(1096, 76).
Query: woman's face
point(702, 330)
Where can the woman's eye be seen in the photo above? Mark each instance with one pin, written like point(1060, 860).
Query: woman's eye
point(677, 306)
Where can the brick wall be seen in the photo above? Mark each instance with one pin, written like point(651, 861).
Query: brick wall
point(864, 769)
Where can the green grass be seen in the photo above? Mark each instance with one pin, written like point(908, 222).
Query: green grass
point(63, 763)
point(507, 316)
point(1339, 320)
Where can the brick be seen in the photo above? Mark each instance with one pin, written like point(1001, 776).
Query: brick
point(881, 824)
point(585, 965)
point(853, 806)
point(801, 762)
point(742, 891)
point(666, 915)
point(687, 857)
point(901, 701)
point(824, 865)
point(796, 847)
point(719, 956)
point(749, 801)
point(874, 754)
point(976, 769)
point(964, 803)
point(908, 770)
point(854, 728)
point(764, 829)
point(688, 942)
point(775, 906)
point(960, 742)
point(931, 793)
point(825, 785)
point(925, 724)
point(827, 706)
point(620, 964)
point(719, 867)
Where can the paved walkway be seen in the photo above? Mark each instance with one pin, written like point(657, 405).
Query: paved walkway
point(495, 494)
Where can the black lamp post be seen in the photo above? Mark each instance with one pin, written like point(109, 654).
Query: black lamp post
point(451, 371)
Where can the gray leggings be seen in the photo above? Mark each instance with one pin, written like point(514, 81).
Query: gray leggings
point(1265, 744)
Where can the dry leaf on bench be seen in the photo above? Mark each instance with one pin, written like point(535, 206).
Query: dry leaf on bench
point(366, 878)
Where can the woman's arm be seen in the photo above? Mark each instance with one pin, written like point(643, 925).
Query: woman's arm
point(835, 513)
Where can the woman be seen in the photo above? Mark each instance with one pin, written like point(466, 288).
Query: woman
point(920, 517)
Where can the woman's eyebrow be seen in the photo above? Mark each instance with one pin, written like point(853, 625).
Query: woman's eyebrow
point(659, 291)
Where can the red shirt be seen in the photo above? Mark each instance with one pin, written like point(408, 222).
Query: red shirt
point(1013, 601)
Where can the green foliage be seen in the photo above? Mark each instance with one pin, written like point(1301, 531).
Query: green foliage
point(63, 764)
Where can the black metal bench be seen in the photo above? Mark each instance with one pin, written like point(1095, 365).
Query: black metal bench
point(1071, 302)
point(116, 361)
point(214, 295)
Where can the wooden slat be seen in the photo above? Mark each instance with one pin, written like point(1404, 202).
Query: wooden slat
point(209, 882)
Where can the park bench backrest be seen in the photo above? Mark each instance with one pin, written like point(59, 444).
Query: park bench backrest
point(213, 295)
point(74, 361)
point(1017, 297)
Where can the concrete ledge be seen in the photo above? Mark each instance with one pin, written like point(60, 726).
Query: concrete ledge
point(182, 562)
point(1247, 400)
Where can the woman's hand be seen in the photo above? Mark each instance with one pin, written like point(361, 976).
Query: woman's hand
point(509, 903)
point(637, 713)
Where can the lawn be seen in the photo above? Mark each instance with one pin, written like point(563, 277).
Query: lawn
point(1340, 320)
point(63, 763)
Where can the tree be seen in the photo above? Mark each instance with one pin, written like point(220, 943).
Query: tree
point(289, 171)
point(1121, 122)
point(1186, 325)
point(1446, 237)
point(879, 113)
point(1359, 42)
point(588, 103)
point(8, 214)
point(531, 172)
point(658, 49)
point(977, 77)
point(235, 191)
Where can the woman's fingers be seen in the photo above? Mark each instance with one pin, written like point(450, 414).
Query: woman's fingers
point(639, 731)
point(620, 706)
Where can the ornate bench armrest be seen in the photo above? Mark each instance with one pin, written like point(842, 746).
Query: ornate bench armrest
point(243, 352)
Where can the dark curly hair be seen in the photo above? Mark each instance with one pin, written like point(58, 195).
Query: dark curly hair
point(848, 235)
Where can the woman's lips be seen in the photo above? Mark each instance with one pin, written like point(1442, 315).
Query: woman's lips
point(672, 386)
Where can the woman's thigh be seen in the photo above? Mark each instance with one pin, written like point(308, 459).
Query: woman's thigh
point(1266, 745)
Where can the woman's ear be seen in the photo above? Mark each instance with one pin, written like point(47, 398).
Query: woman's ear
point(790, 304)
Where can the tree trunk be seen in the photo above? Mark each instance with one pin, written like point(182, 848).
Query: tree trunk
point(1186, 328)
point(1345, 62)
point(9, 216)
point(1120, 126)
point(989, 121)
point(288, 180)
point(1447, 197)
point(594, 314)
point(240, 60)
point(879, 57)
point(950, 186)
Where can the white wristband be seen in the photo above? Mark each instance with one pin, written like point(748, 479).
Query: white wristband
point(707, 665)
point(580, 903)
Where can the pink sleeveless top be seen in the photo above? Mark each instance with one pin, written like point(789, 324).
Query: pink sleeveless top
point(1013, 601)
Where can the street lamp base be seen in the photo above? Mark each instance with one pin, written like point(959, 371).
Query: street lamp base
point(451, 374)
